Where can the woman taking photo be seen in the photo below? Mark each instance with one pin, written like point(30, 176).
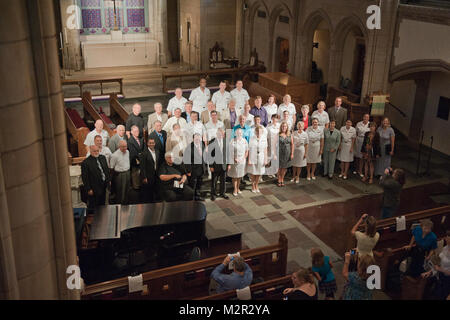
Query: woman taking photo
point(345, 154)
point(257, 157)
point(238, 156)
point(387, 144)
point(356, 286)
point(304, 286)
point(315, 149)
point(370, 151)
point(365, 242)
point(285, 152)
point(300, 149)
point(392, 183)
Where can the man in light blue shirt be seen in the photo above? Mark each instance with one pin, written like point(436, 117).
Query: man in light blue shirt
point(240, 278)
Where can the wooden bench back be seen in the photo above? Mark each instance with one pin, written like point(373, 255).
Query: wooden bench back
point(191, 280)
point(117, 111)
point(92, 111)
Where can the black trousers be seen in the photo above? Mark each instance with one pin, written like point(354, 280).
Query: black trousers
point(195, 182)
point(218, 176)
point(148, 193)
point(178, 194)
point(98, 199)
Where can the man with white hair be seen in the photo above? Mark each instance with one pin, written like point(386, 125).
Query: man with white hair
point(206, 115)
point(200, 97)
point(158, 115)
point(221, 98)
point(176, 119)
point(104, 150)
point(230, 117)
point(289, 106)
point(113, 144)
point(89, 141)
point(174, 181)
point(120, 165)
point(135, 119)
point(176, 102)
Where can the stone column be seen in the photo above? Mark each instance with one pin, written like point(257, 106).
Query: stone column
point(37, 231)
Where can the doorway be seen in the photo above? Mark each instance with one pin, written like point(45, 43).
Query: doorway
point(282, 55)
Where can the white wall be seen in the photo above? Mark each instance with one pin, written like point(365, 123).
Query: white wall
point(422, 40)
point(403, 96)
point(434, 126)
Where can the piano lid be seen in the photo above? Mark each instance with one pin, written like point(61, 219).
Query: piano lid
point(110, 221)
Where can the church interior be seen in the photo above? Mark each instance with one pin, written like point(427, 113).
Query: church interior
point(68, 66)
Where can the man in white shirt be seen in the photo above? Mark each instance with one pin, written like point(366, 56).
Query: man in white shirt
point(200, 97)
point(104, 150)
point(89, 141)
point(213, 125)
point(175, 119)
point(176, 102)
point(240, 95)
point(287, 105)
point(195, 127)
point(120, 164)
point(158, 115)
point(206, 115)
point(221, 98)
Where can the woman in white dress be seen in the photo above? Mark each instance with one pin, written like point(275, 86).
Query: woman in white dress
point(315, 148)
point(238, 156)
point(257, 157)
point(321, 115)
point(345, 154)
point(361, 128)
point(273, 129)
point(249, 118)
point(300, 150)
point(271, 107)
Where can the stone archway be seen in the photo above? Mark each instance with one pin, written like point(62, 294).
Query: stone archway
point(250, 19)
point(274, 16)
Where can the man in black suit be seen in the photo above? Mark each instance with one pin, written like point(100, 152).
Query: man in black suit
point(136, 147)
point(160, 137)
point(173, 181)
point(149, 164)
point(96, 177)
point(195, 164)
point(187, 113)
point(217, 159)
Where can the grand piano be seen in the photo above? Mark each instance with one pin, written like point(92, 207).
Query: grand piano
point(125, 239)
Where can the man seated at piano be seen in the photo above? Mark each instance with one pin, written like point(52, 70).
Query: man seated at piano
point(241, 277)
point(173, 181)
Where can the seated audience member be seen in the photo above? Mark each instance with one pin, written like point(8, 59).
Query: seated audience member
point(356, 286)
point(173, 181)
point(113, 144)
point(213, 125)
point(241, 277)
point(176, 102)
point(426, 243)
point(96, 177)
point(304, 286)
point(135, 119)
point(322, 268)
point(206, 115)
point(150, 160)
point(135, 146)
point(160, 137)
point(186, 114)
point(365, 242)
point(258, 110)
point(392, 183)
point(217, 160)
point(104, 150)
point(176, 119)
point(89, 141)
point(221, 98)
point(158, 115)
point(120, 165)
point(442, 272)
point(194, 162)
point(177, 143)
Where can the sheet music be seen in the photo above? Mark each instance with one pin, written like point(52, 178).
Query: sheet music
point(401, 223)
point(244, 294)
point(135, 284)
point(177, 184)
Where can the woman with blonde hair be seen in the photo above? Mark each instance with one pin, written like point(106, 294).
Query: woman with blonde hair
point(300, 150)
point(367, 240)
point(304, 286)
point(257, 157)
point(321, 115)
point(285, 152)
point(356, 286)
point(387, 144)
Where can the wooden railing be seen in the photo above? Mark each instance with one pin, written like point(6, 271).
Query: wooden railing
point(117, 111)
point(77, 136)
point(92, 111)
point(191, 280)
point(81, 82)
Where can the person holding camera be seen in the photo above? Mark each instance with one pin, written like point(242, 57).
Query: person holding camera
point(392, 183)
point(365, 242)
point(241, 277)
point(356, 286)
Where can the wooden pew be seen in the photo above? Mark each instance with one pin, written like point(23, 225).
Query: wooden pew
point(92, 111)
point(191, 280)
point(78, 132)
point(81, 82)
point(267, 290)
point(117, 112)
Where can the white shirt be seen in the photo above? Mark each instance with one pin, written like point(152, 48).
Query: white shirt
point(176, 103)
point(361, 129)
point(445, 258)
point(221, 100)
point(323, 118)
point(91, 135)
point(249, 120)
point(120, 161)
point(168, 127)
point(200, 99)
point(211, 129)
point(241, 97)
point(263, 133)
point(192, 129)
point(314, 135)
point(289, 123)
point(290, 108)
point(153, 153)
point(348, 135)
point(104, 152)
point(271, 110)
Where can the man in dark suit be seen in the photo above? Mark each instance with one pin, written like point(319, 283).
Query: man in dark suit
point(96, 177)
point(195, 164)
point(338, 113)
point(217, 159)
point(136, 147)
point(160, 137)
point(187, 113)
point(150, 160)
